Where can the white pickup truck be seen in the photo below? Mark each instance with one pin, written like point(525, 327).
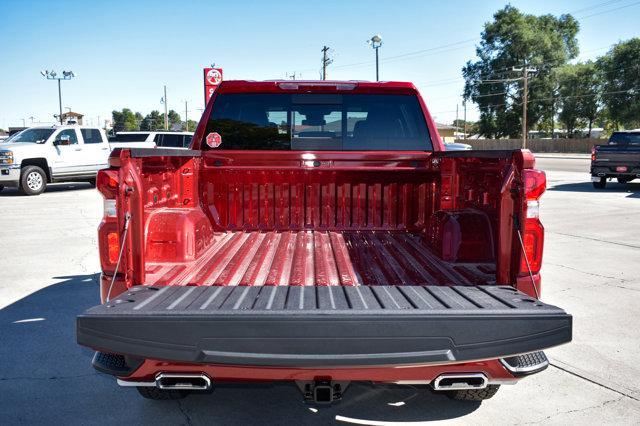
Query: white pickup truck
point(41, 155)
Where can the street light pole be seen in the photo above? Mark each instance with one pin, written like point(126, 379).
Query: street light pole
point(60, 101)
point(376, 42)
point(377, 66)
point(52, 75)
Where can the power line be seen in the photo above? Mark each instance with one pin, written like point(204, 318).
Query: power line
point(449, 81)
point(610, 10)
point(595, 6)
point(411, 53)
point(516, 104)
point(462, 43)
point(425, 52)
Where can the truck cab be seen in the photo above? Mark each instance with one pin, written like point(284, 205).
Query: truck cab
point(40, 155)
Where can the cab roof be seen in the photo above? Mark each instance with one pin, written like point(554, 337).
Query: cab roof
point(316, 86)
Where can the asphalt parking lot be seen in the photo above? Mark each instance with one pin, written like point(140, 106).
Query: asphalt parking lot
point(50, 269)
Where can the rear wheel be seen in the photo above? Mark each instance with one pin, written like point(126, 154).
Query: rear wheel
point(33, 180)
point(150, 392)
point(1, 187)
point(624, 180)
point(600, 184)
point(474, 394)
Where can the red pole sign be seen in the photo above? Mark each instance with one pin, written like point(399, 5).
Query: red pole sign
point(212, 78)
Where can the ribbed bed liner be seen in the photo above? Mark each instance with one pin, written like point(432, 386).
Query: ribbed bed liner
point(319, 258)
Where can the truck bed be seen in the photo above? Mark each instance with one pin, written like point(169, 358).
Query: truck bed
point(321, 259)
point(299, 326)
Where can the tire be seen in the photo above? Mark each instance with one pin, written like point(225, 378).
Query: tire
point(600, 184)
point(624, 180)
point(474, 394)
point(1, 187)
point(150, 392)
point(33, 180)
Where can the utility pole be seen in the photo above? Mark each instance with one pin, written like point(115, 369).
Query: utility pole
point(553, 113)
point(325, 61)
point(525, 83)
point(455, 124)
point(464, 105)
point(186, 118)
point(166, 114)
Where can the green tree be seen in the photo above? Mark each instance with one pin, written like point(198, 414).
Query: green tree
point(472, 126)
point(174, 119)
point(514, 39)
point(621, 91)
point(153, 121)
point(124, 120)
point(570, 86)
point(192, 126)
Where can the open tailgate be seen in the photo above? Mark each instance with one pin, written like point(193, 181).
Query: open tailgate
point(296, 326)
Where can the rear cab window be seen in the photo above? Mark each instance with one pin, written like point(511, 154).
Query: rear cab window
point(340, 122)
point(131, 137)
point(91, 135)
point(171, 140)
point(625, 138)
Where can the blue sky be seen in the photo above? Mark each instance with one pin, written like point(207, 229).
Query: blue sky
point(125, 51)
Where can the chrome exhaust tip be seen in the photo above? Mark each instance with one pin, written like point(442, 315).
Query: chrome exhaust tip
point(177, 381)
point(460, 382)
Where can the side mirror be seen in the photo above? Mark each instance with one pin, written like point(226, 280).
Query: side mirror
point(63, 140)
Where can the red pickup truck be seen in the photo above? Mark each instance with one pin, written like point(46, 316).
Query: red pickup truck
point(317, 232)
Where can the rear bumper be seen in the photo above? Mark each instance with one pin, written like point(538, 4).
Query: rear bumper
point(609, 171)
point(323, 327)
point(494, 370)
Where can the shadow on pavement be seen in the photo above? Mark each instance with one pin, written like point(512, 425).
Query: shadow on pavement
point(45, 377)
point(632, 188)
point(52, 187)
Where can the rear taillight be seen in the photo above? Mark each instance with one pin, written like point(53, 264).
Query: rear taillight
point(108, 235)
point(593, 153)
point(107, 183)
point(113, 247)
point(535, 183)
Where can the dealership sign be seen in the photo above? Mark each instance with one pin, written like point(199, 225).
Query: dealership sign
point(212, 78)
